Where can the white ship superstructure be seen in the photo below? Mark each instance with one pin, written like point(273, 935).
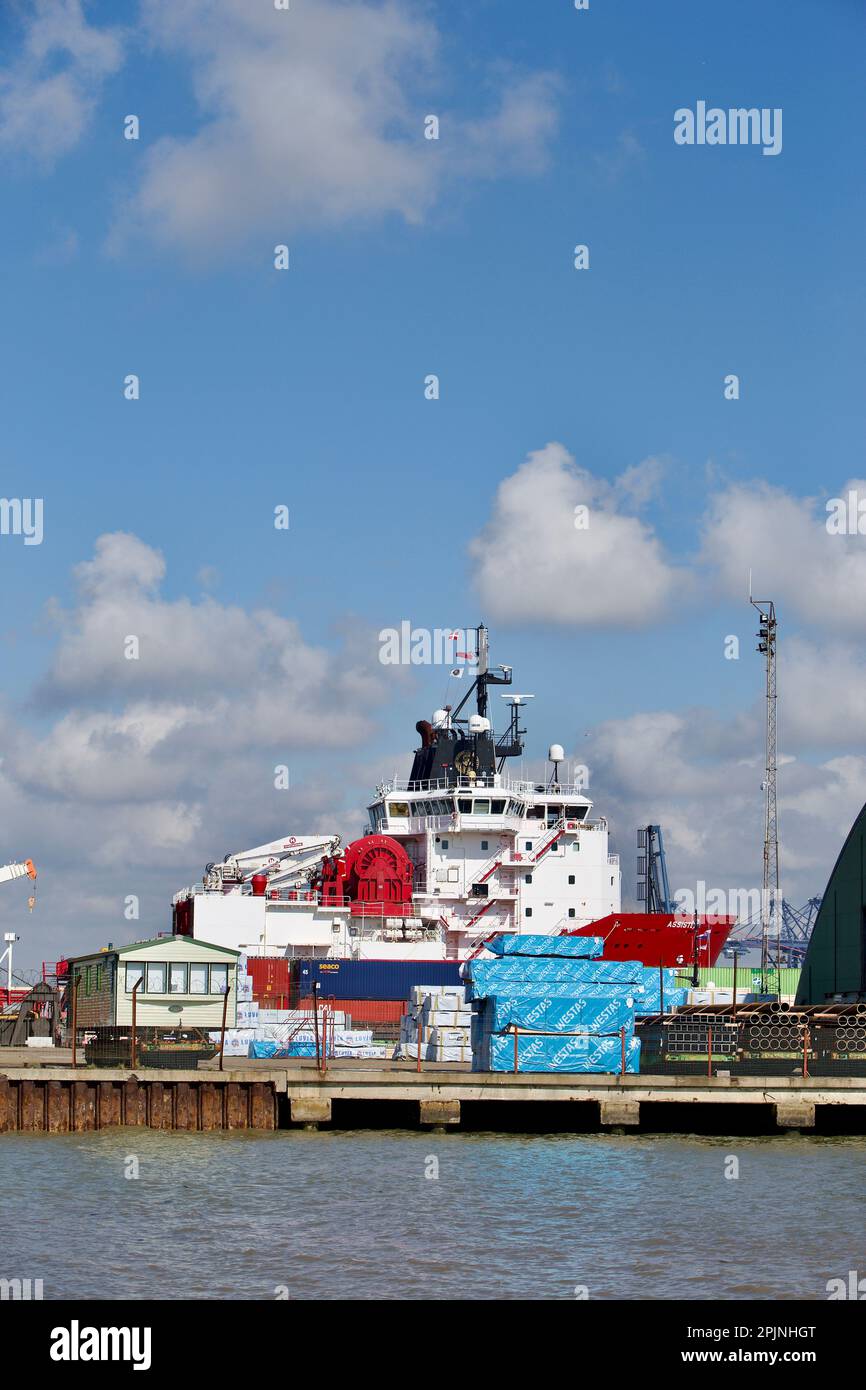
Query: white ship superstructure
point(455, 852)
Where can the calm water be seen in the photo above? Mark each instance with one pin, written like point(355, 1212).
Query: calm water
point(353, 1215)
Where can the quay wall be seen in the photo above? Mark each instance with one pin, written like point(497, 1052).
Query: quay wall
point(58, 1100)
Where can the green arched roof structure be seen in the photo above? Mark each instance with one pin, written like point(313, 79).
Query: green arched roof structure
point(836, 959)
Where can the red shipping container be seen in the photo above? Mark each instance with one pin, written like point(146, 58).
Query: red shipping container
point(270, 977)
point(372, 1010)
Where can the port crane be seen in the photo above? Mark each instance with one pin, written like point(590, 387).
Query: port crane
point(8, 871)
point(27, 869)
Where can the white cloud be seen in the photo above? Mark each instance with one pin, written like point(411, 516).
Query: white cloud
point(706, 793)
point(49, 91)
point(315, 116)
point(189, 655)
point(784, 541)
point(532, 564)
point(143, 770)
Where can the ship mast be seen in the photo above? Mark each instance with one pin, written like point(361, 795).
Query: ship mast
point(770, 900)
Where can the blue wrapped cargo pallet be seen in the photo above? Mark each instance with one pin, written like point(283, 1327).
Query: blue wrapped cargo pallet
point(490, 976)
point(560, 947)
point(579, 1054)
point(536, 1010)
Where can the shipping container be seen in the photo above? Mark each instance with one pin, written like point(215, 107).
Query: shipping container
point(270, 977)
point(374, 1010)
point(371, 979)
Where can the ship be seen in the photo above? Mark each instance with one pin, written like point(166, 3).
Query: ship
point(456, 853)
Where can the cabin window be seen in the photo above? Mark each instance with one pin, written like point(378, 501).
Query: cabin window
point(133, 975)
point(527, 844)
point(528, 912)
point(571, 912)
point(155, 977)
point(198, 979)
point(527, 878)
point(485, 844)
point(571, 878)
point(444, 844)
point(178, 978)
point(498, 808)
point(482, 808)
point(219, 979)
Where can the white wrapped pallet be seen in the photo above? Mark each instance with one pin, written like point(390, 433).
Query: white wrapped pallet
point(448, 1018)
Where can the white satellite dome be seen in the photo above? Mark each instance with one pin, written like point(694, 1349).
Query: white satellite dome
point(556, 753)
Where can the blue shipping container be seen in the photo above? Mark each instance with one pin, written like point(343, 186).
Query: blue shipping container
point(373, 979)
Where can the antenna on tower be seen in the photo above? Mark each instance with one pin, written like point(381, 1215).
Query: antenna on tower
point(770, 899)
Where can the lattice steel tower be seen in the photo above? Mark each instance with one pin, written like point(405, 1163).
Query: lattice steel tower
point(770, 896)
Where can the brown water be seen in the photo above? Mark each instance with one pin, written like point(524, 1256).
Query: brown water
point(331, 1215)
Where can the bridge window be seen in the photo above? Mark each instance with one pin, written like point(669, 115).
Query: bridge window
point(498, 808)
point(464, 805)
point(482, 808)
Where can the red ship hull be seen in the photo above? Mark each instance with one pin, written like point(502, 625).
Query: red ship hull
point(660, 938)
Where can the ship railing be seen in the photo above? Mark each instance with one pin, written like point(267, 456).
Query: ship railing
point(497, 781)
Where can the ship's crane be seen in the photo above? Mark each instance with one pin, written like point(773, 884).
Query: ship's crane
point(280, 860)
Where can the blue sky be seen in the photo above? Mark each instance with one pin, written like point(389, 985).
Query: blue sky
point(306, 388)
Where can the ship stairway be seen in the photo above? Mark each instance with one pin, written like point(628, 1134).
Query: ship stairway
point(559, 831)
point(486, 908)
point(490, 868)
